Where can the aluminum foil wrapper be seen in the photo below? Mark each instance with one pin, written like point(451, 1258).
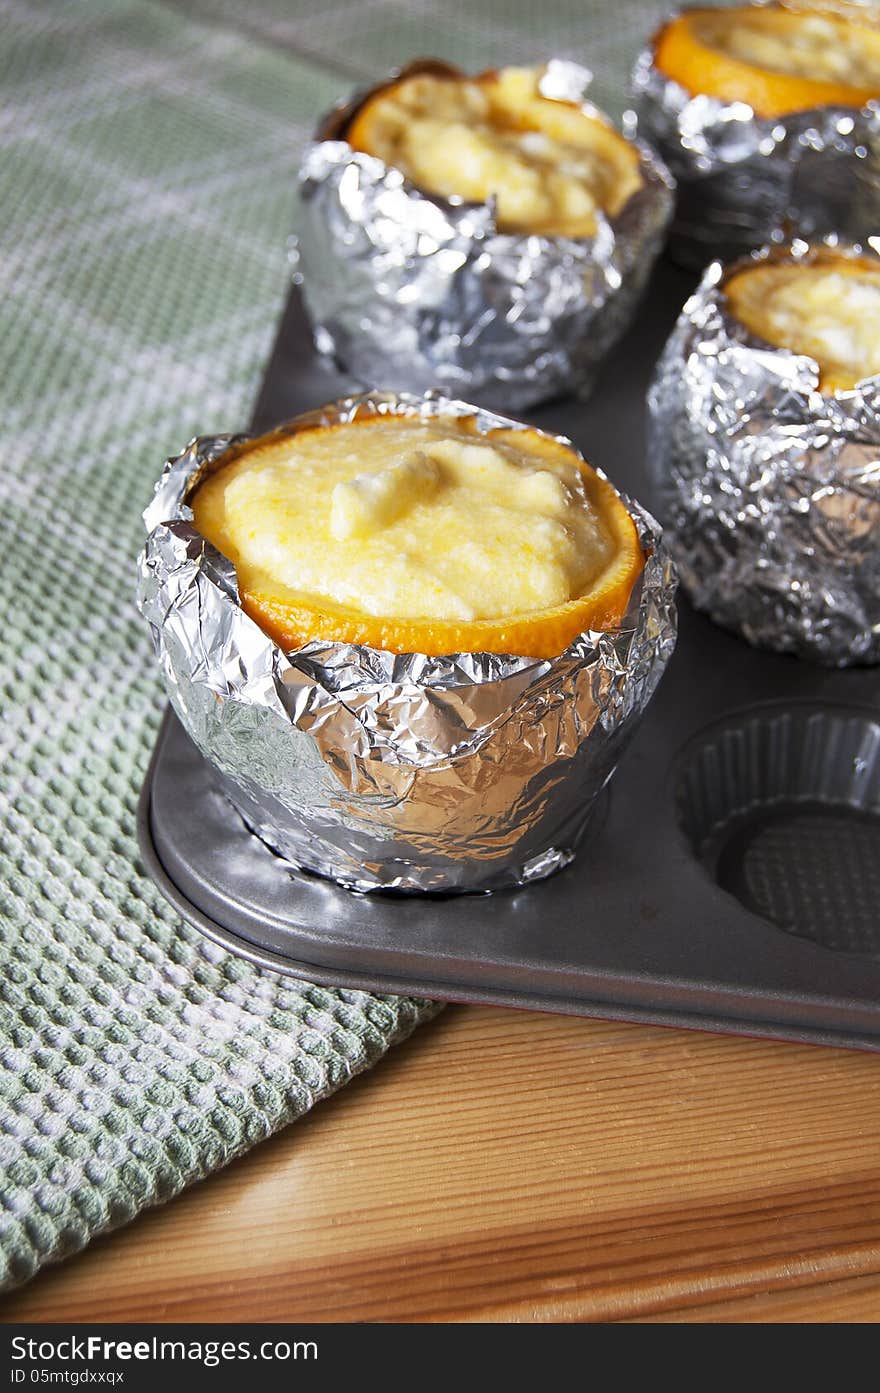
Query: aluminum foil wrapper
point(770, 489)
point(384, 771)
point(406, 288)
point(743, 181)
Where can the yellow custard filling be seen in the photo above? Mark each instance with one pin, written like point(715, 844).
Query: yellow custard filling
point(828, 309)
point(815, 46)
point(551, 166)
point(417, 535)
point(777, 58)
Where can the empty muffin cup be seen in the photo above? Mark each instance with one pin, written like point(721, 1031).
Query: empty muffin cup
point(781, 803)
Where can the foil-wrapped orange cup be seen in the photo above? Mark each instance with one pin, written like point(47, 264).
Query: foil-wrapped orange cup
point(396, 771)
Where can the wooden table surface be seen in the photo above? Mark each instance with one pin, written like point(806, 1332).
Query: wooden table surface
point(511, 1166)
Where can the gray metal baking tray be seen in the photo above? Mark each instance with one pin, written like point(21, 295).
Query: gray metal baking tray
point(730, 879)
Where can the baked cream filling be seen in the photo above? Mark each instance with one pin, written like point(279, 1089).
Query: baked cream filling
point(817, 46)
point(550, 166)
point(829, 310)
point(407, 518)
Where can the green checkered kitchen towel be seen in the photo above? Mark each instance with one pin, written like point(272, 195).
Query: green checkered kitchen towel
point(146, 185)
point(147, 159)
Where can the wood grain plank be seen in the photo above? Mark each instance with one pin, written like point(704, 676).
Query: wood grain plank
point(856, 1301)
point(509, 1165)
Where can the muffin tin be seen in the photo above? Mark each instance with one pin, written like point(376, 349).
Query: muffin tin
point(729, 879)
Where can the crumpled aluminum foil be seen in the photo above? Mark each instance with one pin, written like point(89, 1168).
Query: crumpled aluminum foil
point(771, 490)
point(744, 180)
point(405, 287)
point(385, 771)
